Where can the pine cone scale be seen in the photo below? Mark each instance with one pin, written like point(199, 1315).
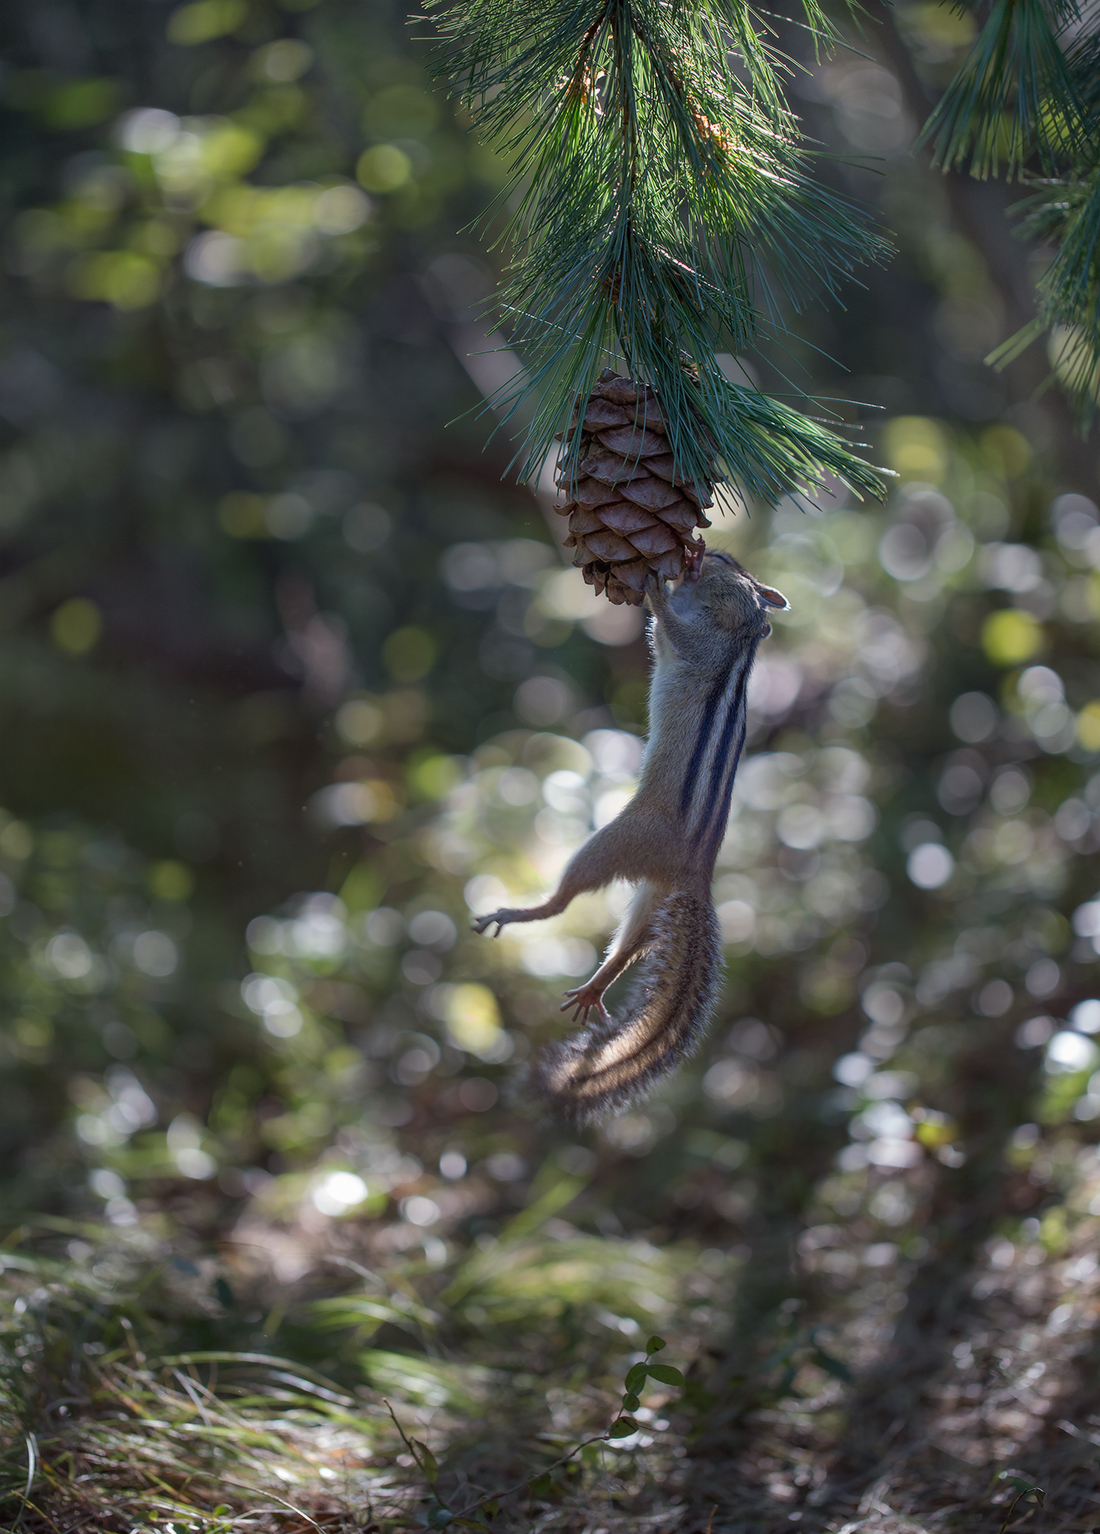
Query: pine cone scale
point(602, 415)
point(655, 540)
point(664, 467)
point(651, 493)
point(631, 512)
point(593, 492)
point(624, 517)
point(584, 520)
point(608, 545)
point(633, 442)
point(610, 467)
point(633, 575)
point(682, 515)
point(620, 391)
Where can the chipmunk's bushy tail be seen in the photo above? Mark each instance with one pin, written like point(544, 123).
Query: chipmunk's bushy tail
point(604, 1069)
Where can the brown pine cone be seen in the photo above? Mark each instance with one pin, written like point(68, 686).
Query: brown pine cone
point(631, 510)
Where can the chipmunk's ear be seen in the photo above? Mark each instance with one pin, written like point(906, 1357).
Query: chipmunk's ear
point(771, 596)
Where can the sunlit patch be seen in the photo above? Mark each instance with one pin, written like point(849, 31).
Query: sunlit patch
point(546, 956)
point(930, 865)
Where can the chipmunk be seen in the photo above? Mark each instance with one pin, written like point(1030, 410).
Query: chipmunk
point(704, 637)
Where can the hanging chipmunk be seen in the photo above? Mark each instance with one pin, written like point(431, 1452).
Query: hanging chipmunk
point(704, 637)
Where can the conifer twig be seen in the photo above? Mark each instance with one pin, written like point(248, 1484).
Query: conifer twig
point(1027, 98)
point(660, 213)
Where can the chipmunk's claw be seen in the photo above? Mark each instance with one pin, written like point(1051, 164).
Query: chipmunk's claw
point(582, 1001)
point(481, 924)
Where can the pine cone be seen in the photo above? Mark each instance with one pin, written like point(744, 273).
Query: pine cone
point(631, 511)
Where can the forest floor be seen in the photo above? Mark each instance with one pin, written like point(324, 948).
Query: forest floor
point(149, 1389)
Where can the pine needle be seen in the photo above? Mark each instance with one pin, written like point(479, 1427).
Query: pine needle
point(1013, 97)
point(660, 212)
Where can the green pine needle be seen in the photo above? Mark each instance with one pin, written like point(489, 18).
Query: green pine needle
point(1030, 91)
point(1014, 96)
point(660, 212)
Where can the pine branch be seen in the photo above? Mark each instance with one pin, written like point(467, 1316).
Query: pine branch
point(1067, 211)
point(1014, 96)
point(661, 210)
point(1020, 95)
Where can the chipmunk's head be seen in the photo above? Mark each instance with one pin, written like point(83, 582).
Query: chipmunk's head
point(734, 598)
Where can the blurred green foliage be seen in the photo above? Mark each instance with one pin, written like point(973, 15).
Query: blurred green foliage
point(292, 684)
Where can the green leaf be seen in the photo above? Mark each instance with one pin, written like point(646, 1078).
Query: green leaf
point(622, 1427)
point(541, 1484)
point(665, 1373)
point(635, 1378)
point(631, 1402)
point(426, 1460)
point(1019, 1482)
point(655, 1344)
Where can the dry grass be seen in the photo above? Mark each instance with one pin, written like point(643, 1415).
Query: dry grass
point(898, 1394)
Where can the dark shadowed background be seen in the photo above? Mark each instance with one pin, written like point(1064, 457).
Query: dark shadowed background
point(293, 678)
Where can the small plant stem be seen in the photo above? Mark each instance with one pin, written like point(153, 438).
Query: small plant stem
point(32, 1470)
point(1009, 1515)
point(510, 1491)
point(401, 1430)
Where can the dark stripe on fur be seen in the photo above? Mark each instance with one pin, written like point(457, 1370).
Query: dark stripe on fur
point(710, 709)
point(724, 790)
point(718, 798)
point(708, 849)
point(604, 1069)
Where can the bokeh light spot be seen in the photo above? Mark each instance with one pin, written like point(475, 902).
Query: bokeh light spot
point(409, 654)
point(473, 1020)
point(204, 20)
point(76, 626)
point(1011, 636)
point(170, 880)
point(930, 865)
point(1088, 726)
point(337, 1192)
point(973, 716)
point(383, 168)
point(916, 448)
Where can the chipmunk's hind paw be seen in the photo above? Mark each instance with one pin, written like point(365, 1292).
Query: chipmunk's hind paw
point(583, 1000)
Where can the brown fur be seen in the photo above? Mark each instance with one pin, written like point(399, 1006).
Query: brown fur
point(605, 1068)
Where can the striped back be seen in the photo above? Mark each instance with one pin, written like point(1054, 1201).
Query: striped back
point(715, 753)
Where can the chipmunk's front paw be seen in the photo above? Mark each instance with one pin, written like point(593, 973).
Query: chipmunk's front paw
point(499, 919)
point(585, 999)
